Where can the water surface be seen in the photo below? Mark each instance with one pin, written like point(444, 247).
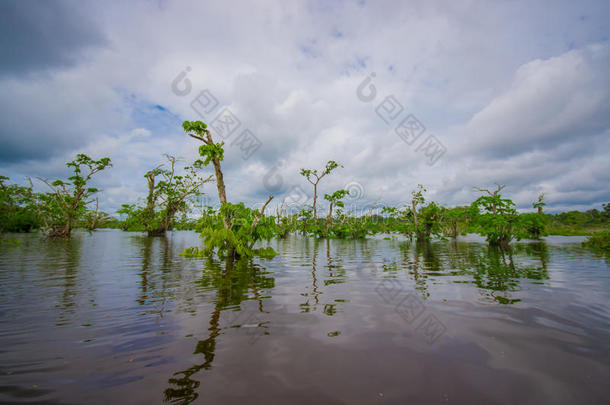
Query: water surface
point(116, 316)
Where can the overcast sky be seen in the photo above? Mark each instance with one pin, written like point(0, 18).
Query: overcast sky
point(457, 94)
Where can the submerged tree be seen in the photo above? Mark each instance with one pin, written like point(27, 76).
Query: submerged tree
point(212, 152)
point(533, 225)
point(455, 221)
point(61, 208)
point(314, 177)
point(418, 199)
point(172, 193)
point(334, 199)
point(539, 204)
point(18, 209)
point(241, 227)
point(494, 217)
point(94, 219)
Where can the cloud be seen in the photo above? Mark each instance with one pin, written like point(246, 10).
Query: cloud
point(40, 35)
point(515, 101)
point(549, 101)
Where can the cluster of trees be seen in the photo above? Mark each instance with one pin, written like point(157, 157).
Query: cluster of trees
point(67, 204)
point(233, 230)
point(171, 193)
point(490, 215)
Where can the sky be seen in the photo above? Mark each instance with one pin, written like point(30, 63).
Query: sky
point(452, 95)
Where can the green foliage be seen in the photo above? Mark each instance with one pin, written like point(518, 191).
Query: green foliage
point(336, 197)
point(495, 218)
point(238, 239)
point(455, 221)
point(599, 241)
point(578, 222)
point(18, 208)
point(429, 223)
point(171, 192)
point(68, 200)
point(314, 174)
point(539, 204)
point(314, 177)
point(131, 218)
point(532, 226)
point(210, 152)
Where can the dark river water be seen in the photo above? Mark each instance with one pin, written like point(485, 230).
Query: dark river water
point(118, 318)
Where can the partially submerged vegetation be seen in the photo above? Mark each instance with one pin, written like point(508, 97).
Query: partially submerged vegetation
point(599, 241)
point(234, 231)
point(56, 212)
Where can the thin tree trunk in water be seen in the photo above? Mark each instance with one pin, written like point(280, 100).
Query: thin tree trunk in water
point(330, 213)
point(414, 210)
point(220, 183)
point(315, 197)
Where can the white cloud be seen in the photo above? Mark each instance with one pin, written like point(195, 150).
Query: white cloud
point(514, 100)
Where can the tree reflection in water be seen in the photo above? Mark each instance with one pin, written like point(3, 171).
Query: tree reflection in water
point(497, 273)
point(233, 282)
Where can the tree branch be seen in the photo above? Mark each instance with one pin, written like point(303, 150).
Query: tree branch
point(260, 214)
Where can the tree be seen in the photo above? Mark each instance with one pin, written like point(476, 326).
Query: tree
point(455, 219)
point(494, 217)
point(241, 227)
point(68, 199)
point(133, 217)
point(335, 200)
point(18, 209)
point(212, 152)
point(539, 204)
point(533, 225)
point(429, 222)
point(418, 199)
point(246, 227)
point(173, 193)
point(94, 219)
point(314, 177)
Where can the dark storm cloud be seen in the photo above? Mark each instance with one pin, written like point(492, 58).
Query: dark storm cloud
point(38, 35)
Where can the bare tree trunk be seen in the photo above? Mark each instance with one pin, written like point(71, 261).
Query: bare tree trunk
point(315, 198)
point(414, 211)
point(220, 183)
point(330, 213)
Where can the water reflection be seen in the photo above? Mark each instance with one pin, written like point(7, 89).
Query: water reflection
point(499, 273)
point(63, 266)
point(147, 310)
point(232, 282)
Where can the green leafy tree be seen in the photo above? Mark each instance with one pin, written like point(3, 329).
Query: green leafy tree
point(533, 225)
point(540, 203)
point(246, 227)
point(131, 217)
point(494, 217)
point(314, 177)
point(212, 152)
point(94, 219)
point(334, 199)
point(173, 194)
point(429, 221)
point(18, 207)
point(455, 221)
point(67, 201)
point(417, 199)
point(241, 227)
